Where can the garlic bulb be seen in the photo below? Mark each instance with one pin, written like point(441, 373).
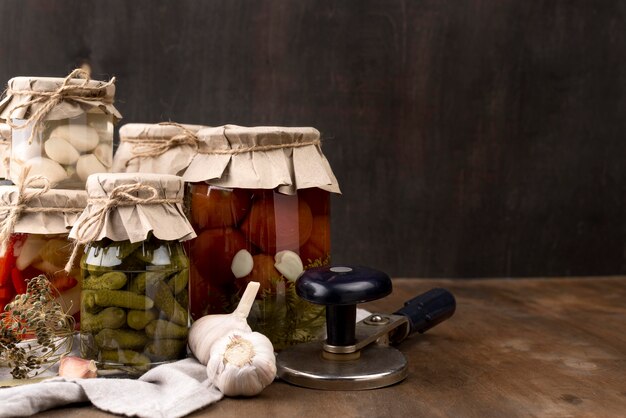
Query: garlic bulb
point(208, 329)
point(242, 363)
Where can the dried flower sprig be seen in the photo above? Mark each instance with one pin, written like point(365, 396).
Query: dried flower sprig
point(35, 330)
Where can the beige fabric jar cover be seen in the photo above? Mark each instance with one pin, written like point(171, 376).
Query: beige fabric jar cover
point(51, 98)
point(128, 206)
point(38, 211)
point(261, 157)
point(5, 149)
point(165, 148)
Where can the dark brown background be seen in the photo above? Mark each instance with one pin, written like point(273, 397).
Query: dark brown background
point(470, 137)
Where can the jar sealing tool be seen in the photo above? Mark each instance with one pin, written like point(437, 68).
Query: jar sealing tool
point(358, 355)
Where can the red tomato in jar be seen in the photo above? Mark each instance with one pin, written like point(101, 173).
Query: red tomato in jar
point(317, 248)
point(264, 272)
point(278, 222)
point(212, 253)
point(215, 207)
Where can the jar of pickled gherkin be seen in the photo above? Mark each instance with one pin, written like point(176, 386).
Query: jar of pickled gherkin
point(62, 127)
point(259, 199)
point(5, 150)
point(134, 304)
point(34, 227)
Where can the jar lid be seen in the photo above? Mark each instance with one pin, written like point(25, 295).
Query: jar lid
point(164, 147)
point(37, 211)
point(128, 206)
point(261, 157)
point(92, 95)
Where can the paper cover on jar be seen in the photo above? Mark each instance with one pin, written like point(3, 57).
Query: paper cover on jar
point(128, 206)
point(164, 148)
point(37, 211)
point(261, 157)
point(5, 149)
point(97, 95)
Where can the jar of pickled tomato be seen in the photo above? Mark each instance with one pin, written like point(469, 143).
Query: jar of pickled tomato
point(260, 205)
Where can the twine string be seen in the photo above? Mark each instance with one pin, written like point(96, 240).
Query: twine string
point(50, 99)
point(146, 147)
point(255, 148)
point(24, 195)
point(88, 229)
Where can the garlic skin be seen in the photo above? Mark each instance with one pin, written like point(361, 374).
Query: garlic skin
point(76, 367)
point(242, 363)
point(210, 328)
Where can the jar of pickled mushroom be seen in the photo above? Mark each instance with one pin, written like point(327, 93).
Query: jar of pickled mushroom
point(134, 303)
point(259, 200)
point(165, 148)
point(62, 127)
point(34, 226)
point(5, 149)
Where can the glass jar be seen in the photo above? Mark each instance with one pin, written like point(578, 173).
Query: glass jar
point(28, 255)
point(264, 225)
point(66, 141)
point(34, 240)
point(165, 147)
point(66, 151)
point(259, 199)
point(134, 303)
point(5, 150)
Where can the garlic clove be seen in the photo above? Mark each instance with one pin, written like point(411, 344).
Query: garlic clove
point(76, 367)
point(242, 363)
point(82, 137)
point(288, 264)
point(29, 251)
point(104, 154)
point(88, 164)
point(61, 151)
point(242, 264)
point(53, 171)
point(210, 328)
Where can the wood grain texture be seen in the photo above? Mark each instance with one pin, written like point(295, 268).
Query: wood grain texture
point(471, 138)
point(514, 348)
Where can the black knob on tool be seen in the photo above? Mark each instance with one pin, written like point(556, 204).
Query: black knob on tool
point(340, 288)
point(428, 309)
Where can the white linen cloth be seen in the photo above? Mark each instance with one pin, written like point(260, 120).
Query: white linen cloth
point(171, 390)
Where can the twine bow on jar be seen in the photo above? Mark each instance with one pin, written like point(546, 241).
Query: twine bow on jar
point(150, 147)
point(48, 100)
point(88, 229)
point(25, 194)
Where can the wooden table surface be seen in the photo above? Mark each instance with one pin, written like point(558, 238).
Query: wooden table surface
point(514, 348)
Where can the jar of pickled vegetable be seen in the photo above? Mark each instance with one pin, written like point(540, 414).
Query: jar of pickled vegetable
point(34, 236)
point(5, 149)
point(134, 304)
point(165, 147)
point(259, 201)
point(62, 127)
